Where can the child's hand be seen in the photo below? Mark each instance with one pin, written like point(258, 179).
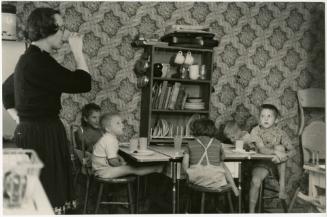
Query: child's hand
point(122, 161)
point(282, 155)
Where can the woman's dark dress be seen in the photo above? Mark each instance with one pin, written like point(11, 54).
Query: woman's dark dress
point(35, 90)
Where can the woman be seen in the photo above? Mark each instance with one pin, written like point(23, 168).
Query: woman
point(32, 97)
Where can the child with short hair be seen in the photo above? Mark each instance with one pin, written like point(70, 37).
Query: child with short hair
point(106, 162)
point(269, 139)
point(204, 157)
point(90, 131)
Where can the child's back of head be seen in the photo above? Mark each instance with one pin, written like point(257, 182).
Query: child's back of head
point(204, 127)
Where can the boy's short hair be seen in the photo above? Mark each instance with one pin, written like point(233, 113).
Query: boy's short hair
point(204, 127)
point(87, 111)
point(105, 118)
point(229, 127)
point(270, 107)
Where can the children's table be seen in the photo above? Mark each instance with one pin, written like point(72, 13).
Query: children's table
point(161, 154)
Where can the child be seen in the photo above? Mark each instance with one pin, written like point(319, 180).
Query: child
point(233, 132)
point(106, 162)
point(204, 157)
point(90, 132)
point(269, 139)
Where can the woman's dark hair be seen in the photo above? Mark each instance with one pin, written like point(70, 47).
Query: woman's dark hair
point(87, 111)
point(41, 24)
point(204, 127)
point(270, 107)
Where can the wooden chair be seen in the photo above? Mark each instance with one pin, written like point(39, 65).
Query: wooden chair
point(84, 158)
point(128, 181)
point(226, 190)
point(312, 137)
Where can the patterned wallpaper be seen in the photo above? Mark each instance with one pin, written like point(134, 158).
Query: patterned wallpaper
point(267, 51)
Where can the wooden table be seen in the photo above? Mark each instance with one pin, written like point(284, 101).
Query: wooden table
point(161, 154)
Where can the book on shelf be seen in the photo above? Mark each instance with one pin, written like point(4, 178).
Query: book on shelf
point(167, 97)
point(174, 95)
point(180, 97)
point(162, 95)
point(184, 101)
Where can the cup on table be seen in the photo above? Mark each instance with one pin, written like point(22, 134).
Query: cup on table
point(239, 145)
point(143, 143)
point(134, 143)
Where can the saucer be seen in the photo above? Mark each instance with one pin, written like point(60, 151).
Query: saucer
point(142, 152)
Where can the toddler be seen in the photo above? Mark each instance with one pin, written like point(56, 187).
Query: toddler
point(106, 162)
point(233, 132)
point(269, 139)
point(90, 132)
point(204, 157)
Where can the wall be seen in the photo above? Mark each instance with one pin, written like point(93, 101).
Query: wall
point(267, 51)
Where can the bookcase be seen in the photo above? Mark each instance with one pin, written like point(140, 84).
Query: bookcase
point(170, 103)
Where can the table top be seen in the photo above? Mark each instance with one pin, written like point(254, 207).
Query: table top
point(315, 168)
point(155, 157)
point(165, 153)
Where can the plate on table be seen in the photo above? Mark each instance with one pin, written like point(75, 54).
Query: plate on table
point(243, 151)
point(124, 144)
point(142, 152)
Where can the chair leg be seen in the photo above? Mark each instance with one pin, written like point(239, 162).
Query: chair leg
point(88, 183)
point(188, 200)
point(260, 202)
point(284, 205)
point(137, 194)
point(99, 198)
point(293, 199)
point(229, 197)
point(130, 197)
point(203, 198)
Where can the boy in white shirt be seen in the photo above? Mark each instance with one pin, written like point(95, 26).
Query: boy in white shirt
point(106, 162)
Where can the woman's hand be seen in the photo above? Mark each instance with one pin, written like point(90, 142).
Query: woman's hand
point(76, 43)
point(13, 114)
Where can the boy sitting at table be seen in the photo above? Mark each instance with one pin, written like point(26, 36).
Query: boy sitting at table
point(106, 162)
point(269, 139)
point(203, 158)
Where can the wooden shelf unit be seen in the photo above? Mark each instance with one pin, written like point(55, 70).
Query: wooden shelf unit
point(194, 88)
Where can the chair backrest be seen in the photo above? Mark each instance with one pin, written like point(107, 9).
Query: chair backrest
point(309, 98)
point(314, 140)
point(81, 153)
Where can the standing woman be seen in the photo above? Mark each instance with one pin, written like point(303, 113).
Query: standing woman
point(32, 97)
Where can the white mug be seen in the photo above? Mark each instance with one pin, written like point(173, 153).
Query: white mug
point(133, 144)
point(239, 145)
point(194, 72)
point(143, 143)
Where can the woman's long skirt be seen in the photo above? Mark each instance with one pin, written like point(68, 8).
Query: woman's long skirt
point(48, 138)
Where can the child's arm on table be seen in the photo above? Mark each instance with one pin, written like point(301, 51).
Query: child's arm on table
point(114, 162)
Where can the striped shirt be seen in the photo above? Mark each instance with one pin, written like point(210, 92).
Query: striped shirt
point(195, 150)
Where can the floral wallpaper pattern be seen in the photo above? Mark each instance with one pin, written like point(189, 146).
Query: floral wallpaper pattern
point(267, 51)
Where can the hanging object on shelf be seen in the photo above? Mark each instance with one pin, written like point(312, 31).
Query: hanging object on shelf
point(140, 68)
point(142, 81)
point(8, 22)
